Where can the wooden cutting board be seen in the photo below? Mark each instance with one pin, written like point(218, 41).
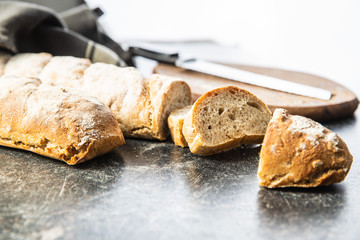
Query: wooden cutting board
point(342, 104)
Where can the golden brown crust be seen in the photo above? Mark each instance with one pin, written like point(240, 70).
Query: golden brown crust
point(175, 123)
point(54, 121)
point(196, 134)
point(298, 152)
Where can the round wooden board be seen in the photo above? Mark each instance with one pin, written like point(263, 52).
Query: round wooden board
point(342, 104)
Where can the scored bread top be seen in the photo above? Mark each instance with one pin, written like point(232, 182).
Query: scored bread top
point(27, 64)
point(55, 121)
point(225, 118)
point(299, 152)
point(67, 71)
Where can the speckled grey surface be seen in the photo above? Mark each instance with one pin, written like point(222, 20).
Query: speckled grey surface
point(153, 190)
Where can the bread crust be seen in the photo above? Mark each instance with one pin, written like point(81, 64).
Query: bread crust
point(298, 152)
point(27, 64)
point(55, 121)
point(66, 68)
point(196, 138)
point(176, 123)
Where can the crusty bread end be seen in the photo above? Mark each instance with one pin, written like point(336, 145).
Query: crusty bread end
point(299, 152)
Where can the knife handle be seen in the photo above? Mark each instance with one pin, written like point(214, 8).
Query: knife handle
point(169, 58)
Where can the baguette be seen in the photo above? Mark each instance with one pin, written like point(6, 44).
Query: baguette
point(141, 106)
point(298, 152)
point(176, 123)
point(55, 121)
point(224, 118)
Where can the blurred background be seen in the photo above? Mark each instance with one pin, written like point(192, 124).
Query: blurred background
point(320, 37)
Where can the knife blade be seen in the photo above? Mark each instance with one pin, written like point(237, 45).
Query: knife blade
point(233, 74)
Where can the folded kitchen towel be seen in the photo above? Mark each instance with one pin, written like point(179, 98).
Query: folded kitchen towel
point(28, 27)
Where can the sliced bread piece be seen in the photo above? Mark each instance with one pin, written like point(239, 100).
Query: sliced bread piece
point(299, 152)
point(176, 122)
point(224, 118)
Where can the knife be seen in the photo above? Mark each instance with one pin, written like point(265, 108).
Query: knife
point(230, 73)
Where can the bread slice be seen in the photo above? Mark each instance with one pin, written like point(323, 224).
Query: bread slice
point(176, 122)
point(224, 118)
point(55, 121)
point(165, 94)
point(298, 152)
point(4, 58)
point(27, 64)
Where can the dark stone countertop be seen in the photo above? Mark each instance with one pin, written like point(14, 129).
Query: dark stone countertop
point(156, 190)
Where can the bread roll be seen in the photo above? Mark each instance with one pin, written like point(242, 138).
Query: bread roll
point(54, 121)
point(298, 152)
point(26, 64)
point(176, 122)
point(223, 119)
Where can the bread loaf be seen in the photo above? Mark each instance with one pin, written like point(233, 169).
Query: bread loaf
point(54, 121)
point(298, 152)
point(223, 119)
point(176, 122)
point(140, 105)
